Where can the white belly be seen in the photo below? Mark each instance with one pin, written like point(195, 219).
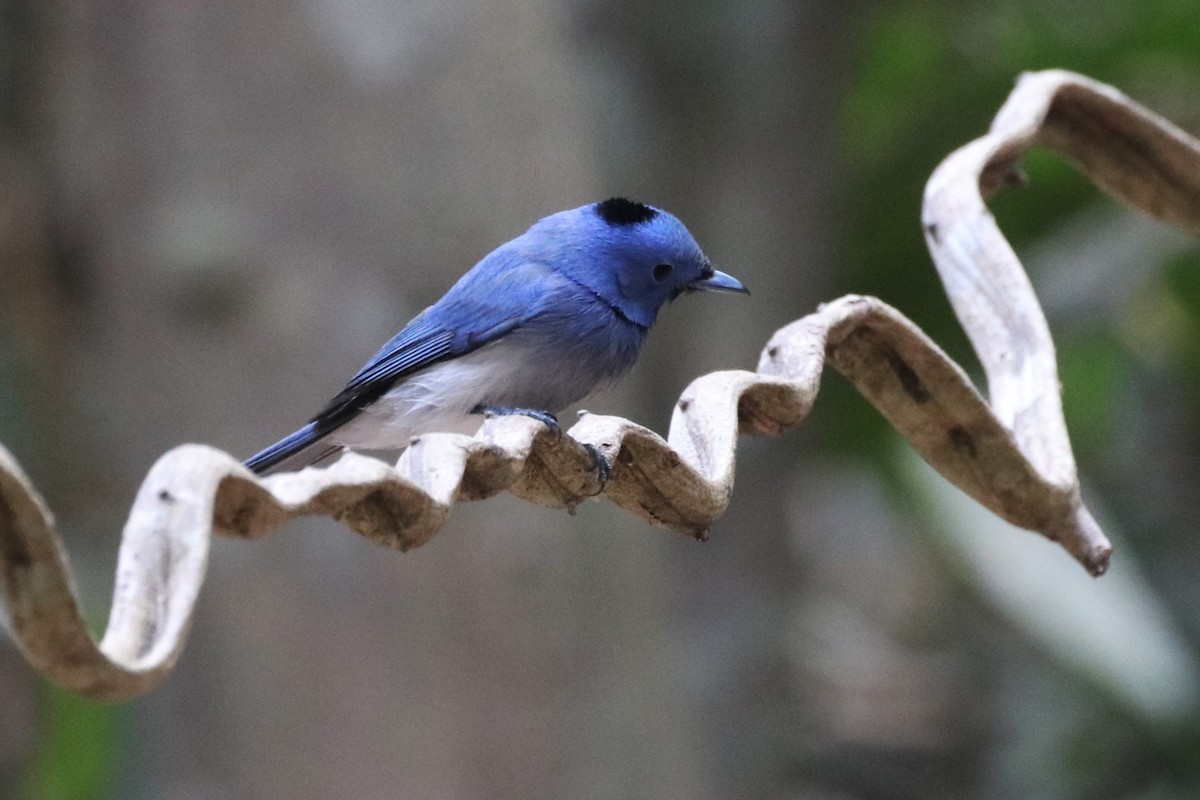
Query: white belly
point(533, 367)
point(439, 398)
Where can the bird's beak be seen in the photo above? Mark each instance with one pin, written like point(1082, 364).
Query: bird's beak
point(718, 281)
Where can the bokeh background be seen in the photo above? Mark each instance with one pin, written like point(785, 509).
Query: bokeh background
point(211, 214)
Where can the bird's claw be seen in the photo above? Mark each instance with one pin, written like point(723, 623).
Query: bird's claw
point(600, 464)
point(544, 417)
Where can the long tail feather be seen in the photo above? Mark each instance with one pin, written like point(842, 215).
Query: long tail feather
point(305, 446)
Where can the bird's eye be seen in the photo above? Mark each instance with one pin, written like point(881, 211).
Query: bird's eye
point(662, 272)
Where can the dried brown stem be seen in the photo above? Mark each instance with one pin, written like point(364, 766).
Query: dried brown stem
point(1012, 455)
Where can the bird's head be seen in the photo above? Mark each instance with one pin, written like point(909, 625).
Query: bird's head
point(635, 257)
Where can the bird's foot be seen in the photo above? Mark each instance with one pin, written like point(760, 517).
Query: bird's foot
point(600, 464)
point(544, 417)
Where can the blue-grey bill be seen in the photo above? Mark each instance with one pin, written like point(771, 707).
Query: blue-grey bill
point(720, 282)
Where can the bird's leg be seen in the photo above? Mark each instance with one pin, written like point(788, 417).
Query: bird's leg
point(544, 417)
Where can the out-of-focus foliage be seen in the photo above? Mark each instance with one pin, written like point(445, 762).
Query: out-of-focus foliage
point(1178, 313)
point(81, 751)
point(931, 76)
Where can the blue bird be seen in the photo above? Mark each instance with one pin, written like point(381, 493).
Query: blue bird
point(540, 323)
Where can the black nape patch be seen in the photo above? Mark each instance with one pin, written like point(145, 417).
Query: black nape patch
point(619, 211)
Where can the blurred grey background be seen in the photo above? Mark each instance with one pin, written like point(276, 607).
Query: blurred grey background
point(212, 214)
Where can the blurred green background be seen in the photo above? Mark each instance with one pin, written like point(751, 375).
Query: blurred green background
point(211, 214)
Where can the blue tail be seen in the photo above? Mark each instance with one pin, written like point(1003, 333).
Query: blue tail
point(299, 449)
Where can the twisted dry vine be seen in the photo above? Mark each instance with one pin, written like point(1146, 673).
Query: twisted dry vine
point(1013, 455)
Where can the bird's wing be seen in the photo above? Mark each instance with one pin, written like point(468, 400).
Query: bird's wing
point(419, 344)
point(500, 294)
point(422, 343)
